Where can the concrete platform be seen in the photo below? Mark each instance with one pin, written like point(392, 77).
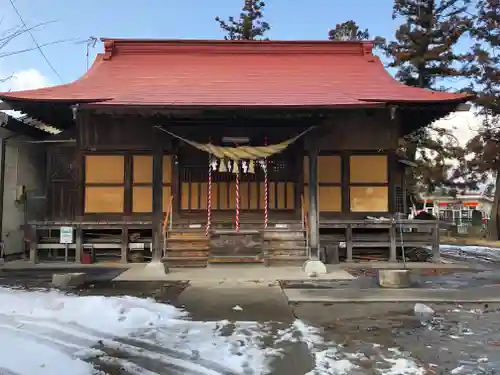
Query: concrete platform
point(236, 301)
point(445, 265)
point(231, 273)
point(490, 294)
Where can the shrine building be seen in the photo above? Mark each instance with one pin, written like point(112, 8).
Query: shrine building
point(199, 152)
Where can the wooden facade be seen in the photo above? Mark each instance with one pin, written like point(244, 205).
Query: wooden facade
point(128, 187)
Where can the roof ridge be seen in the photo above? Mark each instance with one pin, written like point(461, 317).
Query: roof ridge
point(150, 46)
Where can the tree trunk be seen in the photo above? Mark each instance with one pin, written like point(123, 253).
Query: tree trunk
point(493, 223)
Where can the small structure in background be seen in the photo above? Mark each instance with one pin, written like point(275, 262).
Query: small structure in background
point(458, 211)
point(23, 178)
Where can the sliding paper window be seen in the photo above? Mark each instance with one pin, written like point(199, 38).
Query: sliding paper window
point(104, 183)
point(368, 185)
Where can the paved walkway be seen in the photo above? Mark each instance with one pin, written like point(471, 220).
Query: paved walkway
point(485, 294)
point(229, 273)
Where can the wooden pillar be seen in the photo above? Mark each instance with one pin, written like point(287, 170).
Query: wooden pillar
point(78, 244)
point(33, 244)
point(313, 202)
point(157, 204)
point(348, 242)
point(124, 243)
point(392, 165)
point(127, 206)
point(392, 239)
point(436, 255)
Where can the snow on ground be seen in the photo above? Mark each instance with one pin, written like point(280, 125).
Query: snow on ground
point(471, 252)
point(47, 332)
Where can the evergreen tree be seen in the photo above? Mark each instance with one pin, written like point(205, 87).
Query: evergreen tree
point(424, 55)
point(348, 30)
point(249, 26)
point(484, 148)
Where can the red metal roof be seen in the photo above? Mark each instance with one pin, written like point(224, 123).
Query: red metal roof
point(235, 73)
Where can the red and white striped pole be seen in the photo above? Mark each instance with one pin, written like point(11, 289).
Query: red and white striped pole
point(266, 191)
point(237, 199)
point(209, 202)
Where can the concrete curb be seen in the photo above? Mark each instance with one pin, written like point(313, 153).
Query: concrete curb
point(488, 295)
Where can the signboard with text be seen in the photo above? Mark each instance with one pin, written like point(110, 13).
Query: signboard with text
point(66, 235)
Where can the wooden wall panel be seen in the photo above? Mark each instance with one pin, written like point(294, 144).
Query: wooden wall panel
point(281, 198)
point(185, 196)
point(223, 196)
point(142, 199)
point(232, 195)
point(109, 169)
point(362, 131)
point(369, 199)
point(290, 195)
point(244, 193)
point(167, 169)
point(204, 195)
point(215, 197)
point(272, 196)
point(107, 199)
point(329, 169)
point(368, 169)
point(112, 132)
point(142, 169)
point(194, 202)
point(254, 195)
point(251, 196)
point(330, 198)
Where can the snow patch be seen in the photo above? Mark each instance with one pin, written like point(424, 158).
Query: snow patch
point(50, 333)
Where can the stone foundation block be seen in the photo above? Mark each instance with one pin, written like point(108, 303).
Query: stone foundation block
point(68, 280)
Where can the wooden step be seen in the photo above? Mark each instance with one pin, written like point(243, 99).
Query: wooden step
point(187, 235)
point(284, 236)
point(295, 245)
point(187, 247)
point(286, 252)
point(285, 260)
point(235, 259)
point(187, 253)
point(185, 262)
point(188, 239)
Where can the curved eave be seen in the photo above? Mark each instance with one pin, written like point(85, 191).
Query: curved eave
point(55, 100)
point(453, 98)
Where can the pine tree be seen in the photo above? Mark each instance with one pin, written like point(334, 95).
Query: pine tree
point(424, 55)
point(484, 148)
point(423, 50)
point(348, 30)
point(250, 24)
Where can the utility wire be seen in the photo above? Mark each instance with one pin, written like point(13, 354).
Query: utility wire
point(38, 47)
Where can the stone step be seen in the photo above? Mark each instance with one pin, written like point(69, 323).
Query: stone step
point(185, 262)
